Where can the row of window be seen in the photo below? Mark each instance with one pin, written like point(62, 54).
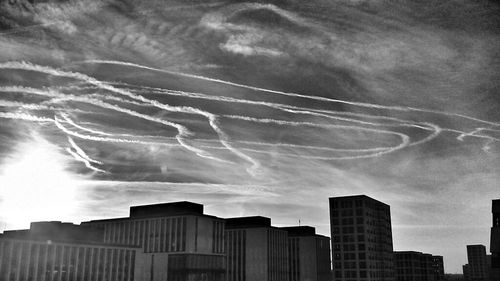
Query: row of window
point(38, 261)
point(217, 237)
point(154, 235)
point(277, 255)
point(236, 255)
point(294, 258)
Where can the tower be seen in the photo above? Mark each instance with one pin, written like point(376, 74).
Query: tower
point(495, 241)
point(361, 239)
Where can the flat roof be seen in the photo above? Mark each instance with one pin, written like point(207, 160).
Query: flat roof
point(359, 197)
point(170, 208)
point(246, 222)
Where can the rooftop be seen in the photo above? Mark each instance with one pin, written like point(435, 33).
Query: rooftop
point(300, 230)
point(247, 222)
point(356, 197)
point(58, 232)
point(172, 208)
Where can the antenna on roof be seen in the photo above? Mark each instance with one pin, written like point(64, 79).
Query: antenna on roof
point(299, 222)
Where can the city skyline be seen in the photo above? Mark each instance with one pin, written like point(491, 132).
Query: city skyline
point(151, 208)
point(254, 108)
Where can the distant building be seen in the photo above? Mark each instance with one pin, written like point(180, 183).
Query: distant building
point(477, 267)
point(466, 272)
point(308, 254)
point(495, 241)
point(64, 251)
point(361, 239)
point(178, 241)
point(417, 266)
point(438, 267)
point(256, 250)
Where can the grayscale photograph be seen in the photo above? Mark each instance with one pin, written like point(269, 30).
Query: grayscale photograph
point(265, 140)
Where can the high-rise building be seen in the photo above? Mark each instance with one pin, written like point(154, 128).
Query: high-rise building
point(361, 239)
point(495, 241)
point(256, 250)
point(178, 241)
point(308, 254)
point(477, 267)
point(417, 266)
point(55, 251)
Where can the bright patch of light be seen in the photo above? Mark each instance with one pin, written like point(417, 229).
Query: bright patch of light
point(35, 186)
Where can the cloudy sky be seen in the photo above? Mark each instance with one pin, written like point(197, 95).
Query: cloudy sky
point(254, 108)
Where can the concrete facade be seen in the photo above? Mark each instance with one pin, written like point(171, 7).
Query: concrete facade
point(477, 267)
point(55, 251)
point(361, 239)
point(178, 241)
point(308, 254)
point(417, 266)
point(256, 250)
point(495, 241)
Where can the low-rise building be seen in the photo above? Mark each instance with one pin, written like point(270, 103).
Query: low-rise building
point(308, 254)
point(63, 251)
point(417, 266)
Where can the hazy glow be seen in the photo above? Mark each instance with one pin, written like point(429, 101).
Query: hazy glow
point(35, 186)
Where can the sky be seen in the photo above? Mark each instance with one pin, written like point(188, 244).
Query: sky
point(254, 108)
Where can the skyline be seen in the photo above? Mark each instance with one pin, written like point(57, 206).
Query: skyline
point(254, 108)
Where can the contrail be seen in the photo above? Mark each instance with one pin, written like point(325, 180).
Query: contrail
point(82, 153)
point(359, 104)
point(183, 132)
point(24, 116)
point(405, 139)
point(85, 161)
point(72, 123)
point(59, 125)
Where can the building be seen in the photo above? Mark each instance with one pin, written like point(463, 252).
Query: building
point(438, 267)
point(62, 251)
point(477, 267)
point(361, 239)
point(255, 250)
point(417, 266)
point(308, 254)
point(177, 240)
point(466, 272)
point(495, 241)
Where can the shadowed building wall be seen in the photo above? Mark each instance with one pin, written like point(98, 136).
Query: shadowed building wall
point(308, 254)
point(179, 242)
point(495, 241)
point(256, 250)
point(477, 267)
point(55, 251)
point(361, 239)
point(417, 266)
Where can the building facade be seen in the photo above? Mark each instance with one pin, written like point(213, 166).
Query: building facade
point(308, 254)
point(417, 266)
point(495, 241)
point(438, 267)
point(55, 251)
point(255, 250)
point(178, 241)
point(361, 238)
point(477, 267)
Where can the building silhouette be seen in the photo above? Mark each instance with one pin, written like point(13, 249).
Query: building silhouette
point(256, 250)
point(361, 239)
point(308, 254)
point(495, 241)
point(477, 268)
point(63, 251)
point(178, 241)
point(417, 266)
